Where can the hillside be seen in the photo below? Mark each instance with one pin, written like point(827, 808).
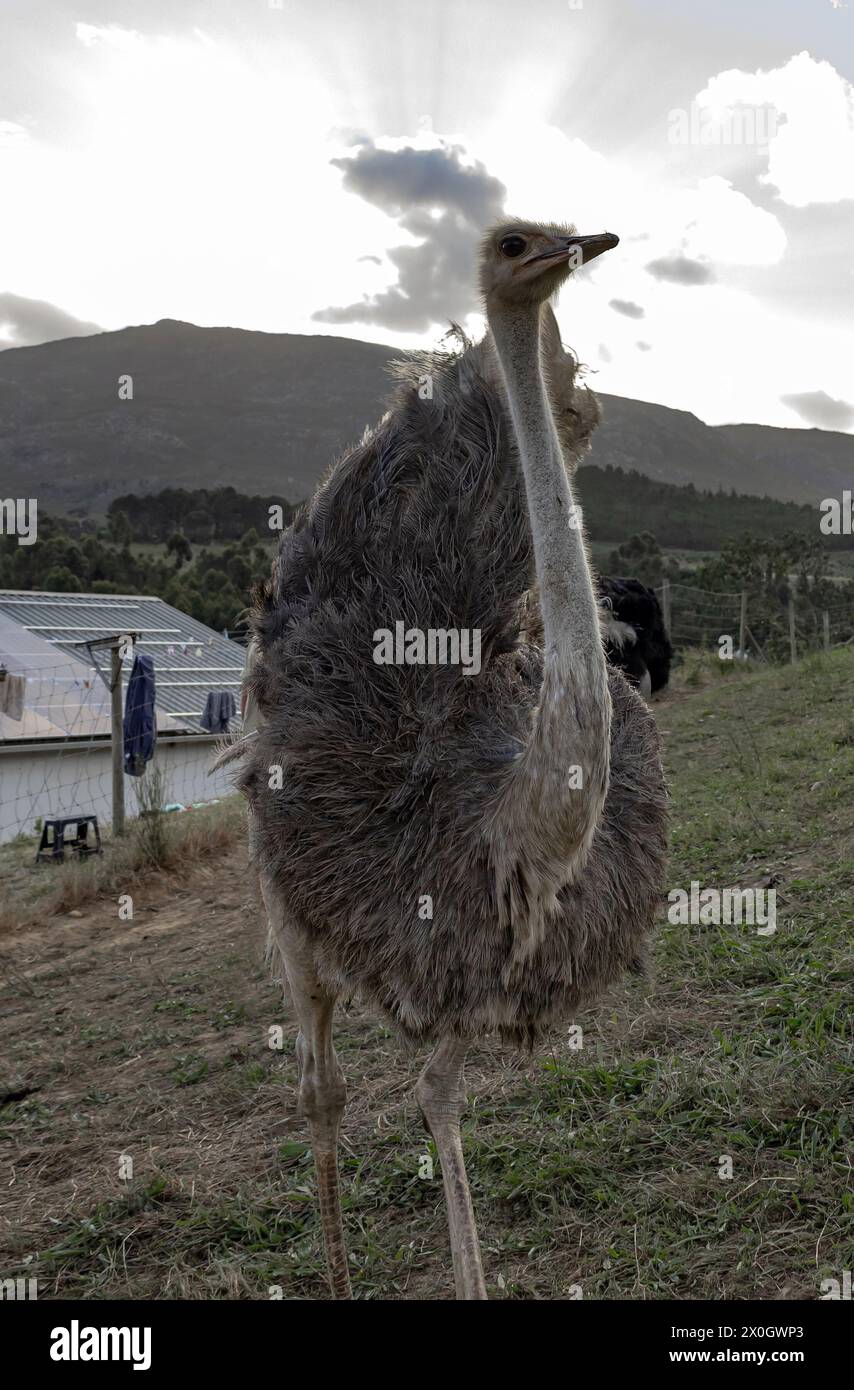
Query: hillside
point(264, 411)
point(673, 446)
point(267, 412)
point(791, 456)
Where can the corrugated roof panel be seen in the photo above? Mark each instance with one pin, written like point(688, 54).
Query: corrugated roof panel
point(190, 659)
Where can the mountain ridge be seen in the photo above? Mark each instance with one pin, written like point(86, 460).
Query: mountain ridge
point(270, 411)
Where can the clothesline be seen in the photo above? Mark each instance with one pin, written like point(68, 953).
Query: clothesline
point(21, 690)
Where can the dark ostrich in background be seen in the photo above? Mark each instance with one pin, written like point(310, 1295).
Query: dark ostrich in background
point(634, 634)
point(525, 804)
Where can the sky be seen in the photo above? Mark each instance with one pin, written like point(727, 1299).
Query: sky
point(326, 166)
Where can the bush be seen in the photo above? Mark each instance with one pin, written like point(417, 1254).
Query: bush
point(152, 833)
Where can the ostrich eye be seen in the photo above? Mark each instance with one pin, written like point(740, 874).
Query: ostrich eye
point(513, 245)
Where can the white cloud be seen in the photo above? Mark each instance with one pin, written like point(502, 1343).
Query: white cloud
point(552, 176)
point(709, 221)
point(111, 35)
point(12, 134)
point(724, 225)
point(192, 182)
point(811, 155)
point(733, 361)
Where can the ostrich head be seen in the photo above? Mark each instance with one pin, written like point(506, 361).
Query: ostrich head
point(524, 263)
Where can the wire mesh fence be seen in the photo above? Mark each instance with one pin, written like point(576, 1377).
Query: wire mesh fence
point(56, 752)
point(764, 626)
point(58, 732)
point(85, 679)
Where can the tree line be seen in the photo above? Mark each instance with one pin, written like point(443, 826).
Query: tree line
point(212, 585)
point(203, 515)
point(683, 516)
point(210, 546)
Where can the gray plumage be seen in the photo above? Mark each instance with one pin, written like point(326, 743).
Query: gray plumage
point(391, 773)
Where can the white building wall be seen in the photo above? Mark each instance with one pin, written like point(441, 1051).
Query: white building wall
point(66, 781)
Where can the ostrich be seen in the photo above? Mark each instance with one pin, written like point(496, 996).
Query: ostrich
point(470, 854)
point(631, 624)
point(633, 630)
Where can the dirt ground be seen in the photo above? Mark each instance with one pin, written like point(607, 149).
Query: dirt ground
point(594, 1172)
point(150, 1039)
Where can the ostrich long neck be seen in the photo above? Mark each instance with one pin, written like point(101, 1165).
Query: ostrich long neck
point(570, 620)
point(553, 800)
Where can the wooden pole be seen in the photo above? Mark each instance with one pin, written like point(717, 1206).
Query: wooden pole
point(117, 738)
point(793, 645)
point(825, 622)
point(666, 604)
point(759, 650)
point(742, 624)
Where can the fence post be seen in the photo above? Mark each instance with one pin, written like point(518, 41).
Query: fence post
point(117, 737)
point(825, 622)
point(665, 604)
point(742, 624)
point(793, 646)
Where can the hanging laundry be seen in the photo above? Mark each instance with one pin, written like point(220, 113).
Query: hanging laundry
point(140, 723)
point(12, 690)
point(218, 711)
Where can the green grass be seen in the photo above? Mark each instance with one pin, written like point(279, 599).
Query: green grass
point(597, 1168)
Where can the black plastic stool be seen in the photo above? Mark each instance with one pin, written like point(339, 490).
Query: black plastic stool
point(53, 848)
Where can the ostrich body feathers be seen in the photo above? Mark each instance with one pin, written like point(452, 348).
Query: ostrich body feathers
point(380, 837)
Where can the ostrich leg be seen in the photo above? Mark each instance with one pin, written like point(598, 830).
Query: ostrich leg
point(441, 1096)
point(322, 1093)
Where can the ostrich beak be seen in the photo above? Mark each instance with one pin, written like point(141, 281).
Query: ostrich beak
point(577, 249)
point(589, 247)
